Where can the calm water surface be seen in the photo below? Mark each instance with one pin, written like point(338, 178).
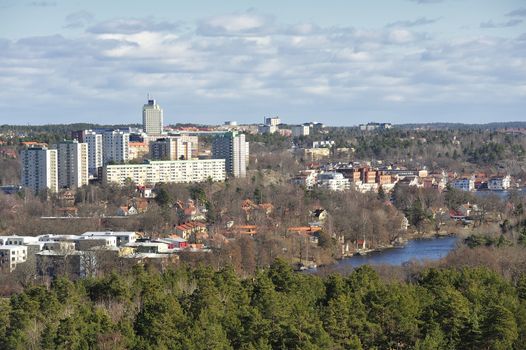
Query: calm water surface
point(420, 249)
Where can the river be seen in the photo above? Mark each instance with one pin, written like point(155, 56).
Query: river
point(503, 195)
point(418, 249)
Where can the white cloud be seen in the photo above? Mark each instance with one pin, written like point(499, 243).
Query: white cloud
point(520, 12)
point(510, 23)
point(235, 24)
point(239, 65)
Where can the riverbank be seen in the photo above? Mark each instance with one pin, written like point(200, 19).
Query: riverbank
point(400, 242)
point(420, 249)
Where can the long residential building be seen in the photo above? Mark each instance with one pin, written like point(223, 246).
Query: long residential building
point(153, 172)
point(39, 169)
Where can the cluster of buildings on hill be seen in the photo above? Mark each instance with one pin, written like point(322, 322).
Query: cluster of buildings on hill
point(365, 178)
point(79, 254)
point(105, 154)
point(375, 126)
point(273, 125)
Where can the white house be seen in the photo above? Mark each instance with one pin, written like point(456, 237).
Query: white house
point(17, 240)
point(123, 237)
point(499, 183)
point(463, 184)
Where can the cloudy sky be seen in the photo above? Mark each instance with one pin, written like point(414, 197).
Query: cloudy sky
point(341, 62)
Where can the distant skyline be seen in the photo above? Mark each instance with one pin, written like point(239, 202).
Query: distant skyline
point(339, 62)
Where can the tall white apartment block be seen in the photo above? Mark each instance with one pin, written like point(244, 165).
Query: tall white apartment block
point(72, 164)
point(233, 148)
point(171, 148)
point(115, 146)
point(152, 118)
point(272, 121)
point(176, 171)
point(95, 159)
point(39, 169)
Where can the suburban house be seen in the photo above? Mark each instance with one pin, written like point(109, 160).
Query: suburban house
point(248, 206)
point(310, 232)
point(126, 210)
point(250, 230)
point(187, 230)
point(140, 204)
point(190, 211)
point(463, 184)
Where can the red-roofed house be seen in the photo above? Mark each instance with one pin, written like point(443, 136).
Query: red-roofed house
point(190, 228)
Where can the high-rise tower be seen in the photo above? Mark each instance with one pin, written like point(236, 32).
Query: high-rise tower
point(152, 118)
point(39, 169)
point(232, 147)
point(72, 164)
point(95, 154)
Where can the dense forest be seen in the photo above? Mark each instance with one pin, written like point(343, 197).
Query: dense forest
point(199, 308)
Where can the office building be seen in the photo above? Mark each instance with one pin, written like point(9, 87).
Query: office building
point(115, 145)
point(176, 171)
point(95, 150)
point(232, 147)
point(39, 169)
point(152, 118)
point(72, 164)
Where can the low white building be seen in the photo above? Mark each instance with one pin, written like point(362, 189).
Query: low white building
point(463, 184)
point(17, 240)
point(365, 187)
point(333, 181)
point(499, 183)
point(11, 255)
point(151, 247)
point(178, 171)
point(321, 144)
point(122, 237)
point(83, 243)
